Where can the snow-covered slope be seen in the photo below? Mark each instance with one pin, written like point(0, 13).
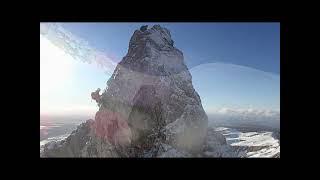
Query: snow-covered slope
point(220, 142)
point(255, 144)
point(56, 138)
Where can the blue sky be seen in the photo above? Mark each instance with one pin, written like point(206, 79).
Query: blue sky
point(247, 74)
point(251, 44)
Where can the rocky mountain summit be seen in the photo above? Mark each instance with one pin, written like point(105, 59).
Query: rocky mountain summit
point(148, 109)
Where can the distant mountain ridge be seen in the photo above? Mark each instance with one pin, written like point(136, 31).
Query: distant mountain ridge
point(245, 118)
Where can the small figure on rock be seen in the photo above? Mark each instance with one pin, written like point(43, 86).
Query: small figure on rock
point(96, 96)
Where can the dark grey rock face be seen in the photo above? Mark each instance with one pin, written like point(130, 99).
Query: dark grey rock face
point(152, 90)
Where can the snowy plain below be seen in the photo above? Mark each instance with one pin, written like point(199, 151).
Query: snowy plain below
point(256, 144)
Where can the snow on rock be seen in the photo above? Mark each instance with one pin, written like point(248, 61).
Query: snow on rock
point(169, 151)
point(80, 143)
point(153, 77)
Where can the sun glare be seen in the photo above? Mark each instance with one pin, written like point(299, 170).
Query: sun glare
point(55, 69)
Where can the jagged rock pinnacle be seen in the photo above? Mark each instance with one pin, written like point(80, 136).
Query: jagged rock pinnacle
point(152, 78)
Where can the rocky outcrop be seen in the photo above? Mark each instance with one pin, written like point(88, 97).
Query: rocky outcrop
point(82, 142)
point(152, 87)
point(149, 108)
